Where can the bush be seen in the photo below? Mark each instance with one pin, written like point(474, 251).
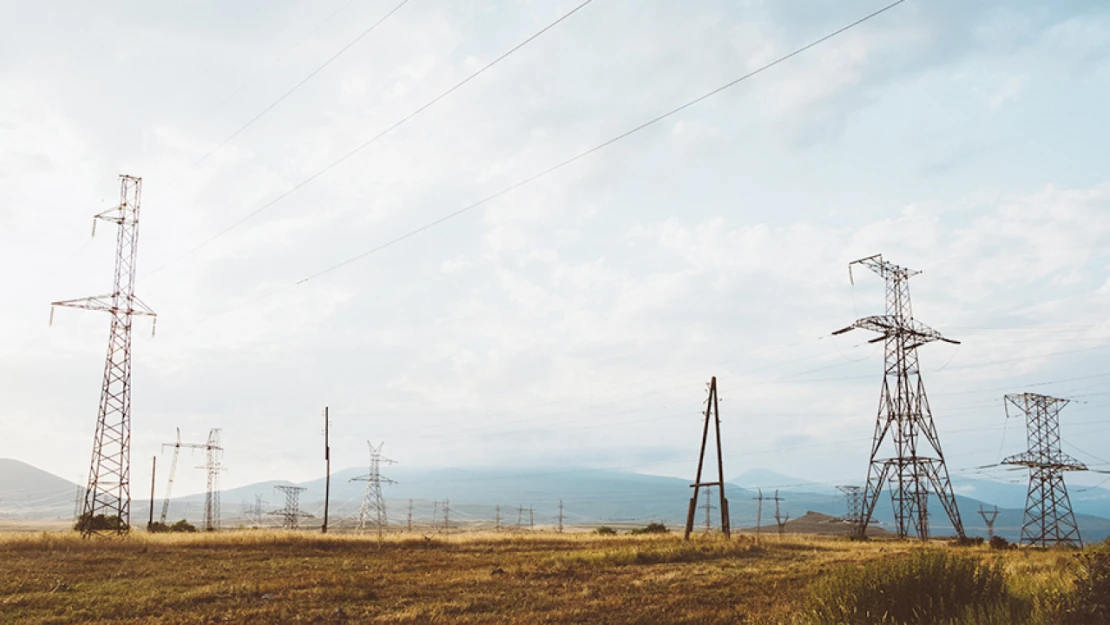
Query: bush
point(652, 528)
point(924, 586)
point(1092, 590)
point(157, 527)
point(1000, 543)
point(99, 523)
point(605, 530)
point(183, 526)
point(967, 541)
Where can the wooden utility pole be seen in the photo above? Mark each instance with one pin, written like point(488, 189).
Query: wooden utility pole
point(712, 410)
point(327, 471)
point(153, 469)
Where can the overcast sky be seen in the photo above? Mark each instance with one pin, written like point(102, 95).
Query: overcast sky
point(573, 321)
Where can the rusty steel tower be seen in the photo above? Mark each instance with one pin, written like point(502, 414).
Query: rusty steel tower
point(915, 466)
point(107, 505)
point(1048, 516)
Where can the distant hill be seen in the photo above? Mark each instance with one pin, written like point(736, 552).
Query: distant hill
point(30, 493)
point(817, 523)
point(590, 496)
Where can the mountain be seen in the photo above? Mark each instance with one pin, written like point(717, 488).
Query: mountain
point(30, 493)
point(589, 496)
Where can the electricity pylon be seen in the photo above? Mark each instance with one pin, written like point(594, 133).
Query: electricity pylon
point(712, 410)
point(854, 498)
point(373, 504)
point(291, 514)
point(709, 508)
point(1048, 515)
point(988, 517)
point(214, 454)
point(109, 487)
point(780, 519)
point(904, 415)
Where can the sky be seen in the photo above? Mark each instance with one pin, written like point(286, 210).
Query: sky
point(572, 321)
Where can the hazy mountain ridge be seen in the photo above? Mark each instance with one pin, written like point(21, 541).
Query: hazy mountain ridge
point(588, 495)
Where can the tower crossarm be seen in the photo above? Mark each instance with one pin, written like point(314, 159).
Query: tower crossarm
point(890, 326)
point(1058, 461)
point(883, 268)
point(106, 303)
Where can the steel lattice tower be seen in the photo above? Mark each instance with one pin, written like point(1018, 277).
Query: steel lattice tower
point(109, 482)
point(291, 514)
point(214, 453)
point(373, 504)
point(1048, 515)
point(854, 499)
point(989, 517)
point(904, 415)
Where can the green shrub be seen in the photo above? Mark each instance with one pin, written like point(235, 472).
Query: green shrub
point(157, 527)
point(1000, 543)
point(183, 526)
point(652, 528)
point(923, 586)
point(605, 530)
point(1091, 603)
point(99, 523)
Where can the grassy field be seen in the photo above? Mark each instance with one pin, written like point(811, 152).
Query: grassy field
point(283, 577)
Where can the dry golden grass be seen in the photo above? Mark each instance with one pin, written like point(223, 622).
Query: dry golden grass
point(284, 577)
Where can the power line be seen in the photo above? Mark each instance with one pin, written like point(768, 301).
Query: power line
point(551, 169)
point(300, 84)
point(381, 134)
point(273, 62)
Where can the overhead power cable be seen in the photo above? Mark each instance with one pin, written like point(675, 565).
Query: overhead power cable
point(301, 83)
point(381, 134)
point(558, 166)
point(259, 73)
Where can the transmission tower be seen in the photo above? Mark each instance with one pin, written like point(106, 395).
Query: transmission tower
point(709, 507)
point(373, 504)
point(853, 496)
point(560, 526)
point(109, 482)
point(447, 516)
point(988, 517)
point(904, 415)
point(780, 519)
point(291, 514)
point(712, 410)
point(214, 454)
point(1048, 516)
point(497, 518)
point(410, 516)
point(531, 519)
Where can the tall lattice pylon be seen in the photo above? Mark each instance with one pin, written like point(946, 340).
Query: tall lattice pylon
point(107, 505)
point(372, 512)
point(916, 465)
point(214, 454)
point(712, 411)
point(989, 517)
point(291, 514)
point(1049, 519)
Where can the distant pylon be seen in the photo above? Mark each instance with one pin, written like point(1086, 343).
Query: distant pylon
point(853, 496)
point(904, 414)
point(709, 508)
point(559, 527)
point(497, 518)
point(712, 410)
point(291, 514)
point(109, 480)
point(213, 455)
point(372, 511)
point(988, 517)
point(409, 525)
point(1048, 515)
point(759, 513)
point(780, 519)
